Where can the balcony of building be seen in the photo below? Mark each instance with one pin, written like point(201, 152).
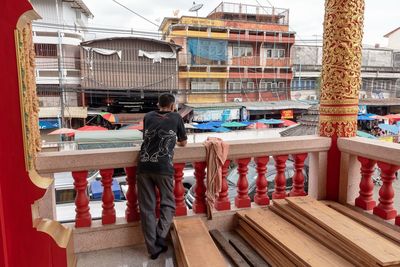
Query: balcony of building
point(253, 13)
point(102, 231)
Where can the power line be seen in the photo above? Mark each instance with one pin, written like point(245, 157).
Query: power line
point(127, 8)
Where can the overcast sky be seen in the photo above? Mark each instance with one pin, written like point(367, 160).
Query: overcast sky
point(306, 17)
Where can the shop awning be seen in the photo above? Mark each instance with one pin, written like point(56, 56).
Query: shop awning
point(48, 124)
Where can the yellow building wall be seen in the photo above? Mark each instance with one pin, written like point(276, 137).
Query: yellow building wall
point(204, 98)
point(202, 75)
point(197, 34)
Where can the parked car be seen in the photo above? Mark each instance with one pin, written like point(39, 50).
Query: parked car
point(233, 177)
point(64, 186)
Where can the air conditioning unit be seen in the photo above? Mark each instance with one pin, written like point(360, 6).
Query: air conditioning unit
point(237, 99)
point(312, 97)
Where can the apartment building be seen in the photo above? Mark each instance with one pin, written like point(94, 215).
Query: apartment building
point(56, 39)
point(239, 52)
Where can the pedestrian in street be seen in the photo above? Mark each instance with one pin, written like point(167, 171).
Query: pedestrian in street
point(162, 131)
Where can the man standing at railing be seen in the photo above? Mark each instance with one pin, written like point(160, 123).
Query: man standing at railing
point(162, 130)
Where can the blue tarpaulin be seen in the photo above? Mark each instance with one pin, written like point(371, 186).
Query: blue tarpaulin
point(48, 124)
point(221, 130)
point(207, 49)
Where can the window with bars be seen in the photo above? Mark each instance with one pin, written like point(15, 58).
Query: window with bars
point(242, 51)
point(46, 50)
point(234, 87)
point(204, 86)
point(275, 53)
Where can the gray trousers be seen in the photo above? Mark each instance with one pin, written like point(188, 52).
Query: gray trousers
point(146, 183)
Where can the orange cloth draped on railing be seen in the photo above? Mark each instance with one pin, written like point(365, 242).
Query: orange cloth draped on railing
point(216, 155)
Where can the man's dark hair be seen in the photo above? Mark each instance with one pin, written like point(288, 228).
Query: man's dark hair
point(165, 100)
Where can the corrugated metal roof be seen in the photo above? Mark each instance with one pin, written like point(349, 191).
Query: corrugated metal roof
point(172, 45)
point(270, 105)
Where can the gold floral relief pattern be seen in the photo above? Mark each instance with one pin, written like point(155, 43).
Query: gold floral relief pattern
point(28, 96)
point(341, 71)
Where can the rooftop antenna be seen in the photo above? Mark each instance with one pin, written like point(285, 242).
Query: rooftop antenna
point(196, 8)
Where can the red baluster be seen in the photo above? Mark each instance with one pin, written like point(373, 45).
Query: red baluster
point(179, 190)
point(199, 204)
point(242, 200)
point(385, 208)
point(223, 202)
point(108, 214)
point(82, 217)
point(132, 211)
point(261, 197)
point(280, 179)
point(365, 199)
point(298, 177)
point(158, 202)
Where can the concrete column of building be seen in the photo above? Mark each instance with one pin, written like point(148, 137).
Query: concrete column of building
point(341, 79)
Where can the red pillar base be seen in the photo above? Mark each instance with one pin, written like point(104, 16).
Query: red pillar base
point(199, 208)
point(397, 222)
point(242, 202)
point(365, 205)
point(181, 211)
point(262, 201)
point(385, 214)
point(220, 206)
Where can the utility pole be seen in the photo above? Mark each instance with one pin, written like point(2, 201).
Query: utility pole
point(60, 61)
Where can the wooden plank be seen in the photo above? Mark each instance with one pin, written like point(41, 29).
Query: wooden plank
point(293, 241)
point(363, 218)
point(264, 248)
point(282, 208)
point(196, 243)
point(369, 243)
point(177, 248)
point(248, 254)
point(228, 249)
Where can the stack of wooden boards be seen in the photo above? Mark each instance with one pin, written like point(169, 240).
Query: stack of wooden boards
point(301, 231)
point(193, 244)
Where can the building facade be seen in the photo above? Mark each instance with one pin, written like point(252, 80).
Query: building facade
point(127, 74)
point(394, 39)
point(56, 38)
point(380, 73)
point(237, 53)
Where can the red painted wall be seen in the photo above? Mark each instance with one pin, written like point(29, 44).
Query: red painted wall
point(21, 245)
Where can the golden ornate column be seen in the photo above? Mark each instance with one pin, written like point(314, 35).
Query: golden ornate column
point(341, 78)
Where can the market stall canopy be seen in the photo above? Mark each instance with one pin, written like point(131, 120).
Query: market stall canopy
point(394, 129)
point(366, 135)
point(189, 126)
point(109, 116)
point(204, 126)
point(364, 118)
point(270, 121)
point(107, 139)
point(48, 124)
point(90, 128)
point(257, 125)
point(221, 130)
point(288, 123)
point(62, 131)
point(233, 124)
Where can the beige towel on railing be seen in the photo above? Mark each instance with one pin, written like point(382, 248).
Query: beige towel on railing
point(216, 155)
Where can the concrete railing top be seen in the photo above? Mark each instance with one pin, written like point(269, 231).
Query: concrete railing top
point(51, 162)
point(371, 149)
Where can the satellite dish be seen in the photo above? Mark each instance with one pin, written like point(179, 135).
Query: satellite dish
point(196, 8)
